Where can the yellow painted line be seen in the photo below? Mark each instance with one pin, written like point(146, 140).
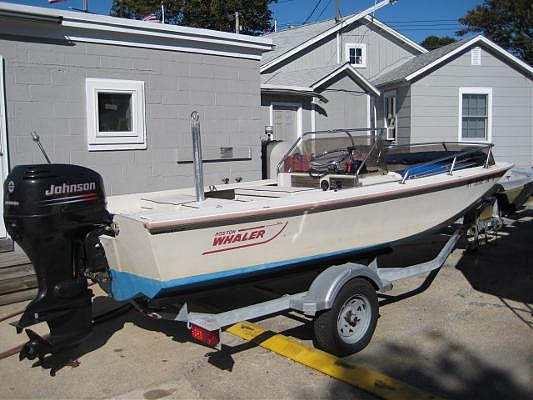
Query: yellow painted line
point(363, 378)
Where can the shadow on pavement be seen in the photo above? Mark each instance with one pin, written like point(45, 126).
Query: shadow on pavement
point(503, 267)
point(103, 331)
point(453, 372)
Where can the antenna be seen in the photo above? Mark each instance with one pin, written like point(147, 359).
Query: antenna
point(337, 11)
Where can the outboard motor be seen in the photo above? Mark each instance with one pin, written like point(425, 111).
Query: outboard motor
point(56, 212)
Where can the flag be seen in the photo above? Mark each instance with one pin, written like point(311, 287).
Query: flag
point(55, 1)
point(151, 17)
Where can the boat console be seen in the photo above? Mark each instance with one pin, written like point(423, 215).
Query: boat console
point(346, 158)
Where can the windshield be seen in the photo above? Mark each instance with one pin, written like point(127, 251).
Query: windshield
point(347, 151)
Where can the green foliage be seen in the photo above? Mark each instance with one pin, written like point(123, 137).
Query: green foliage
point(509, 23)
point(254, 15)
point(434, 42)
point(138, 9)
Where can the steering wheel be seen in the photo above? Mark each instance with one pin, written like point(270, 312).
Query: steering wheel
point(328, 161)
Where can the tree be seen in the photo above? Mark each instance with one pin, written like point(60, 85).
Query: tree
point(434, 42)
point(138, 9)
point(255, 16)
point(509, 23)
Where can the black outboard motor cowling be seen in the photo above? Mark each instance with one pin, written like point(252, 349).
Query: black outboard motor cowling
point(55, 212)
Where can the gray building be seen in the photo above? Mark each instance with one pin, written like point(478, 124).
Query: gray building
point(319, 75)
point(358, 72)
point(472, 90)
point(116, 95)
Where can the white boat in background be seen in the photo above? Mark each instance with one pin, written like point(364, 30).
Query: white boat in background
point(516, 189)
point(337, 193)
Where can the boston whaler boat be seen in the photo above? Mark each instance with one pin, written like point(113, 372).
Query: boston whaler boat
point(336, 193)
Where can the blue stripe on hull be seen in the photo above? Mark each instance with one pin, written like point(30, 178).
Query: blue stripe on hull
point(125, 285)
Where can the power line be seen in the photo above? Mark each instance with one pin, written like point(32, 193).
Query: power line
point(312, 12)
point(324, 9)
point(419, 20)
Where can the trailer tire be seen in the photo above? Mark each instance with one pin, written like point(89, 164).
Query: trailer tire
point(348, 326)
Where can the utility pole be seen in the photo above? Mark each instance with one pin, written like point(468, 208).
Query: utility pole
point(237, 25)
point(338, 11)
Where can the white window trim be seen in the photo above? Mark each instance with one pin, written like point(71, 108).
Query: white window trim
point(313, 116)
point(475, 90)
point(368, 121)
point(387, 95)
point(361, 46)
point(134, 140)
point(299, 121)
point(3, 141)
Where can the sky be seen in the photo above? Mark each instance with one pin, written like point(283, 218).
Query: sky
point(415, 19)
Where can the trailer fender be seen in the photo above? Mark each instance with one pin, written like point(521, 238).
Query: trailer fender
point(327, 285)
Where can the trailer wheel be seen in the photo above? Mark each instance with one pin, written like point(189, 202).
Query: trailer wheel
point(348, 326)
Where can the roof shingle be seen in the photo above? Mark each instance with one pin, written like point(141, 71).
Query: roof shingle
point(414, 64)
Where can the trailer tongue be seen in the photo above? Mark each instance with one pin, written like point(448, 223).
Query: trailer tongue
point(56, 212)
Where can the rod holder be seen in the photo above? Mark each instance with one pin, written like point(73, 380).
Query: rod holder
point(197, 156)
point(35, 137)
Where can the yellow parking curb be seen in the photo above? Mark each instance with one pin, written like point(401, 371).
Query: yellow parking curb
point(363, 378)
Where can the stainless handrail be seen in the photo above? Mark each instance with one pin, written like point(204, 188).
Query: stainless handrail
point(479, 146)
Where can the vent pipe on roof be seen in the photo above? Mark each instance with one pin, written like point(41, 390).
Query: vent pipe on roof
point(337, 11)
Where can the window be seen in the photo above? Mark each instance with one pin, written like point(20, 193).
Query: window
point(391, 115)
point(115, 114)
point(475, 114)
point(356, 54)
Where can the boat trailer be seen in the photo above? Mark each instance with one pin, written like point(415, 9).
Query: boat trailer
point(342, 300)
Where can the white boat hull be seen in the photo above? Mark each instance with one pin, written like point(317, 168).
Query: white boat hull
point(151, 258)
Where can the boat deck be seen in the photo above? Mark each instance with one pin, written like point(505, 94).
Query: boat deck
point(172, 208)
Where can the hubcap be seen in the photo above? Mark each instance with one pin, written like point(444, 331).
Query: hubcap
point(354, 319)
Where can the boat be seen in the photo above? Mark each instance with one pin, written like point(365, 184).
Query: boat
point(336, 193)
point(516, 189)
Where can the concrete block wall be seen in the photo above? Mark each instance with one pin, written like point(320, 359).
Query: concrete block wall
point(45, 91)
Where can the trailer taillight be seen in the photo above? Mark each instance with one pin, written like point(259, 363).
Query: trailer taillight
point(210, 338)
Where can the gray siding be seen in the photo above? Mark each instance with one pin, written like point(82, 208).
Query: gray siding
point(403, 106)
point(435, 105)
point(45, 91)
point(383, 52)
point(346, 106)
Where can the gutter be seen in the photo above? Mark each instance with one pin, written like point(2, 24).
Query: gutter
point(103, 23)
